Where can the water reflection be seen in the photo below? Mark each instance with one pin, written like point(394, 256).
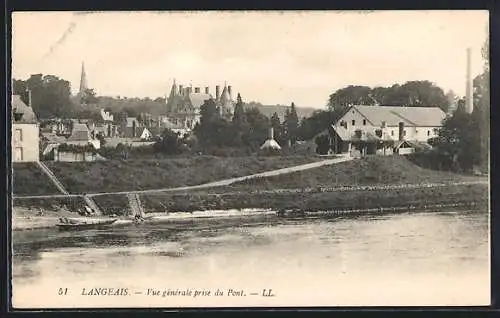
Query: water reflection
point(292, 254)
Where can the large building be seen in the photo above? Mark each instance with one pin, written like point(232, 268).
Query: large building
point(25, 132)
point(374, 125)
point(183, 104)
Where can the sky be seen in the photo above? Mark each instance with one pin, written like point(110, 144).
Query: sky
point(270, 57)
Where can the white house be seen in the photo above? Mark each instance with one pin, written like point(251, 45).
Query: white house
point(25, 132)
point(375, 125)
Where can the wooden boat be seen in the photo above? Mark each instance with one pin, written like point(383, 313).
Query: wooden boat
point(84, 223)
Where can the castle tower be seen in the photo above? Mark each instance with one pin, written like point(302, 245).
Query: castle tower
point(171, 98)
point(83, 80)
point(226, 104)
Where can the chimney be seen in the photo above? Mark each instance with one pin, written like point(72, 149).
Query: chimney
point(401, 131)
point(196, 89)
point(468, 89)
point(271, 133)
point(29, 99)
point(217, 92)
point(230, 91)
point(181, 90)
point(207, 90)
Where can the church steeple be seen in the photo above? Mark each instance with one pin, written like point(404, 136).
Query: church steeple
point(83, 80)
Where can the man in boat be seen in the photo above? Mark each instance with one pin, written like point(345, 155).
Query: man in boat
point(138, 218)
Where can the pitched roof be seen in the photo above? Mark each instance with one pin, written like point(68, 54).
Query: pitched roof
point(141, 131)
point(79, 132)
point(53, 138)
point(393, 115)
point(18, 106)
point(198, 99)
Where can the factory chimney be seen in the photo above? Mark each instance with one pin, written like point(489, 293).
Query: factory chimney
point(468, 89)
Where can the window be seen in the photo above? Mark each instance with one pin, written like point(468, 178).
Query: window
point(353, 122)
point(18, 154)
point(404, 132)
point(19, 135)
point(378, 133)
point(392, 132)
point(428, 132)
point(364, 122)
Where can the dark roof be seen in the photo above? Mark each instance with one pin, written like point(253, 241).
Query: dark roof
point(393, 115)
point(198, 99)
point(79, 132)
point(18, 106)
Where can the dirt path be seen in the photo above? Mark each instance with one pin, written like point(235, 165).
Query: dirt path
point(219, 183)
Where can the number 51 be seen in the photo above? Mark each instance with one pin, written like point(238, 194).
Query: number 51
point(62, 291)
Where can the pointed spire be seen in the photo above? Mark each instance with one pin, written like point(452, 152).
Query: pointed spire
point(173, 90)
point(83, 80)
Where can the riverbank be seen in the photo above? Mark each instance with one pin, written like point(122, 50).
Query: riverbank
point(474, 199)
point(24, 219)
point(118, 175)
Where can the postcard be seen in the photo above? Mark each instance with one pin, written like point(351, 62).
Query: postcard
point(250, 159)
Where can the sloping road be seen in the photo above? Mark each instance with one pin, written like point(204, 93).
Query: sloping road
point(220, 183)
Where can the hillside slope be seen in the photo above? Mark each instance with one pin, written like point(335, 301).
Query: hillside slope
point(370, 170)
point(116, 175)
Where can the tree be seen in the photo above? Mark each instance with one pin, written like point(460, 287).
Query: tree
point(89, 97)
point(412, 93)
point(452, 100)
point(169, 143)
point(464, 138)
point(350, 95)
point(256, 130)
point(291, 123)
point(239, 112)
point(317, 123)
point(208, 131)
point(50, 95)
point(275, 121)
point(239, 122)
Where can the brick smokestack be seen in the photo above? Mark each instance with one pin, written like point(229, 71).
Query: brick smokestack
point(468, 82)
point(217, 92)
point(271, 133)
point(207, 90)
point(196, 89)
point(401, 131)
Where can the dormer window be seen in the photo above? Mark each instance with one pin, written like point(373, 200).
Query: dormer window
point(353, 122)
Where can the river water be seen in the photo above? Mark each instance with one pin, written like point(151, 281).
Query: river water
point(390, 260)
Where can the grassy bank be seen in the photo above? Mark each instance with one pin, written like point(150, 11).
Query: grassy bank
point(116, 175)
point(188, 202)
point(373, 171)
point(28, 179)
point(370, 170)
point(316, 201)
